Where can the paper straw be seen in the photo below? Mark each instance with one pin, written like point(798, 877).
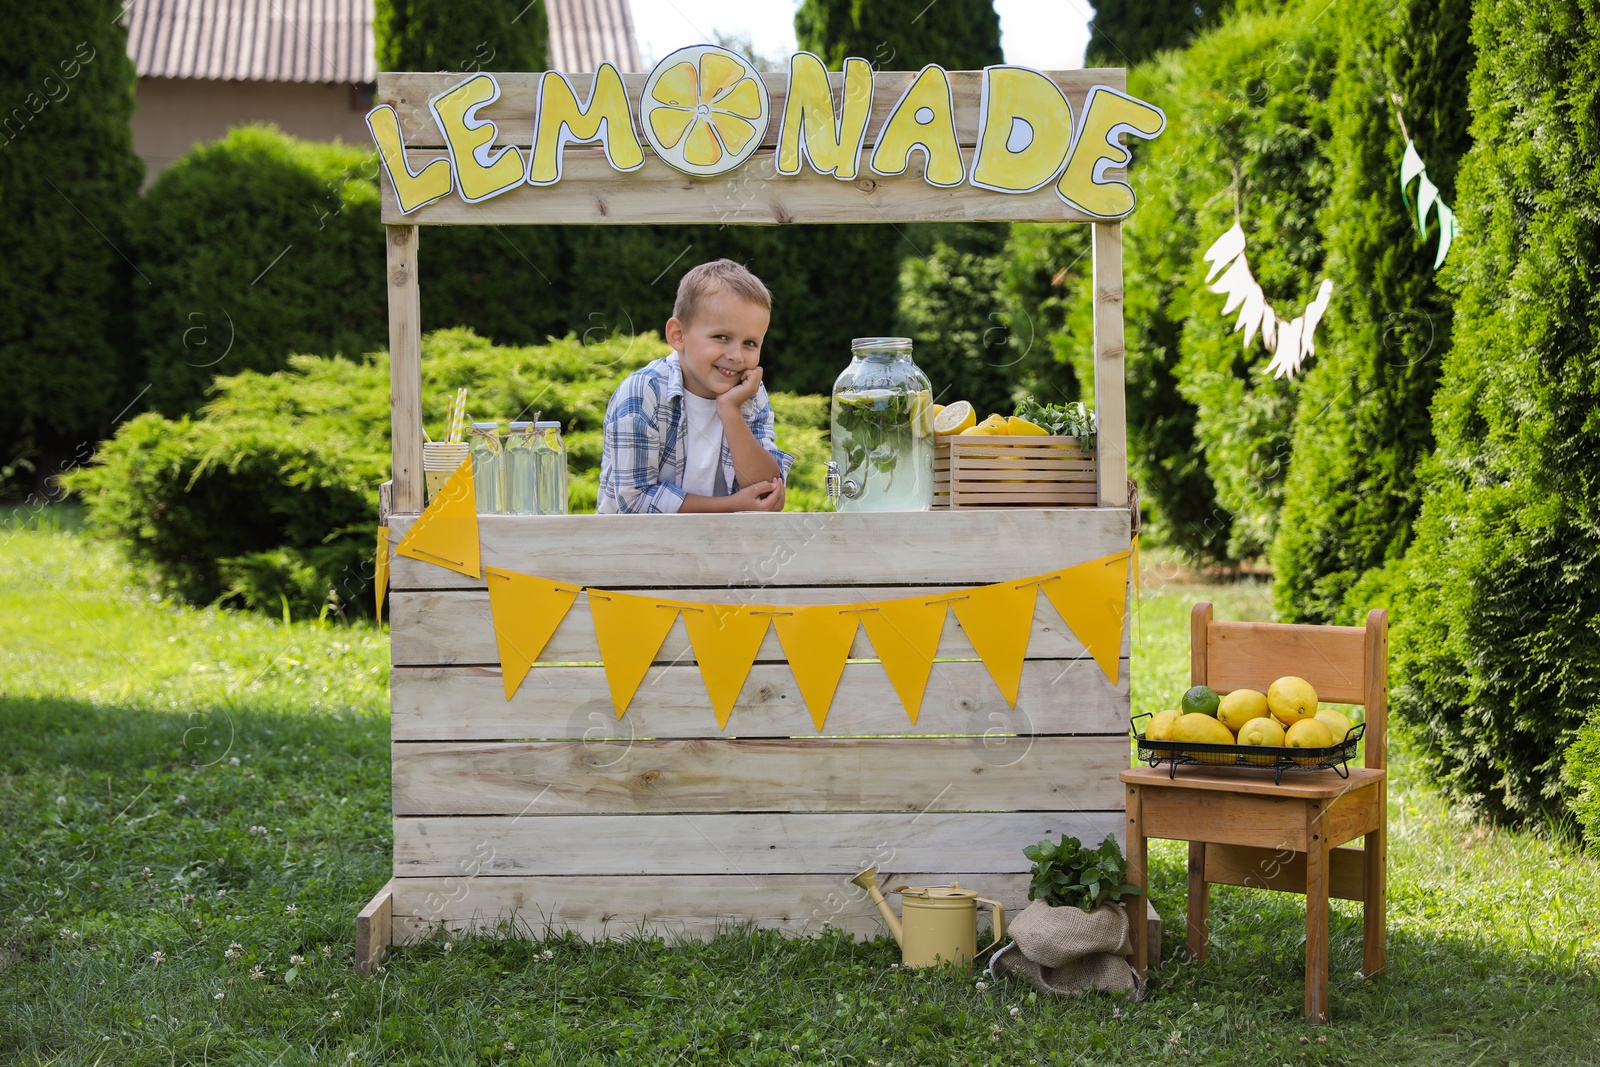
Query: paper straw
point(458, 414)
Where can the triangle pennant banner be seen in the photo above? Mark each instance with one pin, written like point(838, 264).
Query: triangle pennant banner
point(998, 619)
point(905, 635)
point(726, 638)
point(817, 642)
point(1092, 599)
point(629, 630)
point(446, 533)
point(380, 570)
point(526, 612)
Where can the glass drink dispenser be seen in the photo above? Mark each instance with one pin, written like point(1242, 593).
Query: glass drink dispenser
point(882, 430)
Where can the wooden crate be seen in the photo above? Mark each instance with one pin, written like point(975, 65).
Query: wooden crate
point(1013, 472)
point(549, 813)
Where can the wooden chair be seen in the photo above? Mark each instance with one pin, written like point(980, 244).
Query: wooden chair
point(1245, 830)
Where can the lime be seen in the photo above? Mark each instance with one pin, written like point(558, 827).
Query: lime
point(1201, 700)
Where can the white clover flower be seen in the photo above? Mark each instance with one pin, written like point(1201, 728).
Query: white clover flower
point(509, 1047)
point(233, 761)
point(61, 802)
point(327, 952)
point(219, 997)
point(336, 1015)
point(981, 987)
point(180, 799)
point(257, 974)
point(297, 960)
point(159, 957)
point(1015, 1012)
point(290, 909)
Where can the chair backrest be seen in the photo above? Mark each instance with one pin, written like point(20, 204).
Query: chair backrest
point(1344, 664)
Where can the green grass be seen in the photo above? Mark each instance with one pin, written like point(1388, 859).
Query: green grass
point(130, 835)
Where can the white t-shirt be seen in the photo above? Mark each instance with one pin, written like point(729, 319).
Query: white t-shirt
point(704, 441)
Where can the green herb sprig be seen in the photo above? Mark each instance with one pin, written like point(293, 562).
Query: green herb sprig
point(1070, 875)
point(1062, 420)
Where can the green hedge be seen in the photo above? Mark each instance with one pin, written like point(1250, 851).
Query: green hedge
point(67, 175)
point(1496, 656)
point(1581, 772)
point(1363, 426)
point(269, 497)
point(256, 246)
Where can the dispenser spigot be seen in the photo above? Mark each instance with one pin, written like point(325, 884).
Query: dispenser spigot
point(839, 487)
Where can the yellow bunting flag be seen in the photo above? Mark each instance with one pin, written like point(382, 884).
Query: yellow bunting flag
point(526, 612)
point(726, 638)
point(380, 569)
point(629, 631)
point(905, 635)
point(817, 641)
point(446, 533)
point(1092, 599)
point(998, 620)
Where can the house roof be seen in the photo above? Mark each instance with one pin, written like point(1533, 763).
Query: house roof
point(331, 41)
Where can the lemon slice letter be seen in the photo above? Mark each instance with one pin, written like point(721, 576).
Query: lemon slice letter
point(704, 109)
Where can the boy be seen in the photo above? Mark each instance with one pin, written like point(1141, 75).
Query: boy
point(693, 431)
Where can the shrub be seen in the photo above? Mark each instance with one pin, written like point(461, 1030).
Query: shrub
point(1362, 426)
point(269, 496)
point(1496, 653)
point(1581, 773)
point(257, 246)
point(949, 307)
point(67, 174)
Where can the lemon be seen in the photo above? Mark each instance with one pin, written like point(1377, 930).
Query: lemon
point(1205, 730)
point(1308, 733)
point(1262, 732)
point(921, 413)
point(1161, 724)
point(1240, 706)
point(1337, 724)
point(1292, 699)
point(1019, 427)
point(954, 418)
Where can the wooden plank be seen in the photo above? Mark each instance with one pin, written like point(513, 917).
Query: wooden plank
point(1251, 655)
point(1110, 403)
point(652, 777)
point(1354, 813)
point(1137, 849)
point(1199, 623)
point(1227, 818)
point(735, 844)
point(1284, 871)
point(441, 628)
point(405, 368)
point(1316, 784)
point(793, 548)
point(1316, 851)
point(1056, 697)
point(374, 930)
point(1199, 897)
point(690, 906)
point(408, 93)
point(1375, 700)
point(591, 192)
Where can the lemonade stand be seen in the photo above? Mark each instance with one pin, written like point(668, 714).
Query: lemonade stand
point(597, 730)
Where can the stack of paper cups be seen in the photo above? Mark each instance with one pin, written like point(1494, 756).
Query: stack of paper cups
point(441, 459)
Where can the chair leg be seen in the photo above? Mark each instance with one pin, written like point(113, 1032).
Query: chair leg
point(1139, 877)
point(1374, 902)
point(1316, 917)
point(1199, 901)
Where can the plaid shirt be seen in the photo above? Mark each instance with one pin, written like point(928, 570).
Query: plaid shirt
point(645, 455)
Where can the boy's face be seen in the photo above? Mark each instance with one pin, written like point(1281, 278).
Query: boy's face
point(720, 344)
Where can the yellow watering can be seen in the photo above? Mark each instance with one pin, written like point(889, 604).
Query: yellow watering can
point(940, 924)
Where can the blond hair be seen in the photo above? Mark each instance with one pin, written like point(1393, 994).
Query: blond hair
point(718, 276)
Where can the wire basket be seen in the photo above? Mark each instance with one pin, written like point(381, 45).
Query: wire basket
point(1179, 753)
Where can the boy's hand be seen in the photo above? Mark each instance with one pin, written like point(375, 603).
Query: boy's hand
point(734, 398)
point(762, 496)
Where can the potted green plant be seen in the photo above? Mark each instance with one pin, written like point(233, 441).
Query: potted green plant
point(1073, 938)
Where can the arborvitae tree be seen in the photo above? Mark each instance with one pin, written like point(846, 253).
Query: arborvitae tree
point(901, 34)
point(1245, 130)
point(1496, 661)
point(440, 35)
point(67, 174)
point(1362, 426)
point(1125, 32)
point(948, 305)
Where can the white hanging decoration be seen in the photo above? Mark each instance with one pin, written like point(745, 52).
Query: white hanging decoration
point(1290, 342)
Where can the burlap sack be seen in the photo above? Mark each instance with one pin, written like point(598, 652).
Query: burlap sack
point(1070, 951)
